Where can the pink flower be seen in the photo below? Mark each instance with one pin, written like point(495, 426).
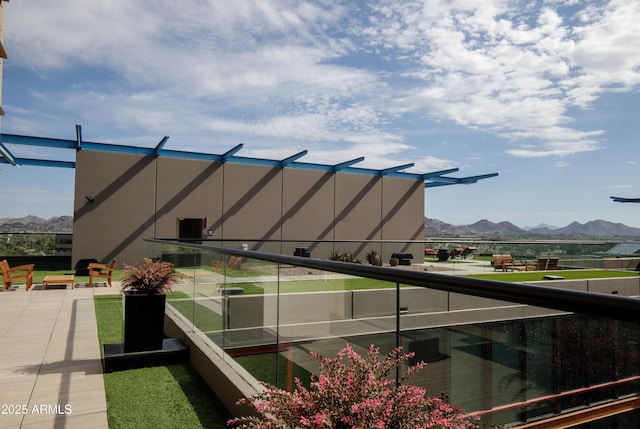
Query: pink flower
point(354, 392)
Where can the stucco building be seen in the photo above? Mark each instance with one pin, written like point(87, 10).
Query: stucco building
point(124, 194)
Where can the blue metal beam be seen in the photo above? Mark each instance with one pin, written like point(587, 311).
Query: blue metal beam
point(78, 137)
point(160, 145)
point(37, 141)
point(105, 147)
point(228, 154)
point(45, 163)
point(443, 181)
point(388, 171)
point(7, 156)
point(432, 179)
point(346, 164)
point(474, 179)
point(625, 200)
point(292, 158)
point(436, 184)
point(439, 173)
point(190, 155)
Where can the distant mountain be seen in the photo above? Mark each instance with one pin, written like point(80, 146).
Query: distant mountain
point(36, 224)
point(594, 228)
point(541, 226)
point(488, 229)
point(433, 228)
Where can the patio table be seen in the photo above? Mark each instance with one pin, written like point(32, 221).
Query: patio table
point(61, 279)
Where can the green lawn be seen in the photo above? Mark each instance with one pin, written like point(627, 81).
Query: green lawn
point(172, 396)
point(532, 276)
point(262, 367)
point(314, 285)
point(204, 318)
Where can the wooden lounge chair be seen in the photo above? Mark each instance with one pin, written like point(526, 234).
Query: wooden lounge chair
point(468, 252)
point(20, 272)
point(456, 252)
point(101, 271)
point(502, 262)
point(541, 263)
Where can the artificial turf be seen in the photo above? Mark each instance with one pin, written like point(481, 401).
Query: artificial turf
point(172, 396)
point(532, 276)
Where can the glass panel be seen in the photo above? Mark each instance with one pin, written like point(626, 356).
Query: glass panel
point(509, 362)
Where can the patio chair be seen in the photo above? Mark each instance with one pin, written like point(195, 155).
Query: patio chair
point(541, 264)
point(502, 262)
point(101, 271)
point(20, 272)
point(552, 264)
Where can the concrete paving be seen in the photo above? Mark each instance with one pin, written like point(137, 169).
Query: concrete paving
point(50, 363)
point(458, 266)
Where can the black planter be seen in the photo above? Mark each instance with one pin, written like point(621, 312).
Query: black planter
point(143, 321)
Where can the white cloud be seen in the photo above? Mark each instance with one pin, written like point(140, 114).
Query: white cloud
point(487, 65)
point(332, 75)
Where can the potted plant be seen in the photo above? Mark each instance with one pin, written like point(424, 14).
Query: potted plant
point(374, 258)
point(144, 289)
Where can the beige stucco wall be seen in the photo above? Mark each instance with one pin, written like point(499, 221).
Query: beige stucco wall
point(137, 197)
point(122, 211)
point(252, 197)
point(186, 189)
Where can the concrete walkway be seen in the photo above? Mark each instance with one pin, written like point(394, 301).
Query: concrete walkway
point(50, 365)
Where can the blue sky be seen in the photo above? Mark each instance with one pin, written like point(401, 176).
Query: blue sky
point(545, 93)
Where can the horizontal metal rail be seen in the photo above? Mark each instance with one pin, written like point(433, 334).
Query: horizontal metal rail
point(554, 397)
point(614, 307)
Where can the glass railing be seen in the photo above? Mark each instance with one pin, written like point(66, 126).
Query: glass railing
point(510, 353)
point(570, 253)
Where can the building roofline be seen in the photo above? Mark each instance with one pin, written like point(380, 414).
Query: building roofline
point(432, 179)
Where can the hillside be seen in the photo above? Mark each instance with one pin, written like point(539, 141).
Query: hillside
point(37, 224)
point(433, 228)
point(503, 230)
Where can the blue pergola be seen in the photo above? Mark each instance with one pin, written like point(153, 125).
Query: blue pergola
point(433, 179)
point(625, 200)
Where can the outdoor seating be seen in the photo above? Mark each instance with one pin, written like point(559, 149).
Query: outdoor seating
point(468, 252)
point(20, 272)
point(456, 252)
point(97, 270)
point(234, 262)
point(541, 264)
point(552, 264)
point(402, 258)
point(430, 252)
point(82, 266)
point(502, 262)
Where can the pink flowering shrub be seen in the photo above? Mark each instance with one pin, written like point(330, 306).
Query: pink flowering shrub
point(354, 392)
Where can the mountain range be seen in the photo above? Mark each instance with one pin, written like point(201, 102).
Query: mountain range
point(486, 229)
point(433, 228)
point(37, 224)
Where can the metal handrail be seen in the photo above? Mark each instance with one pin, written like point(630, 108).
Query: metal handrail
point(614, 307)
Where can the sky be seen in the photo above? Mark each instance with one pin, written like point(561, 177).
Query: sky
point(545, 93)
